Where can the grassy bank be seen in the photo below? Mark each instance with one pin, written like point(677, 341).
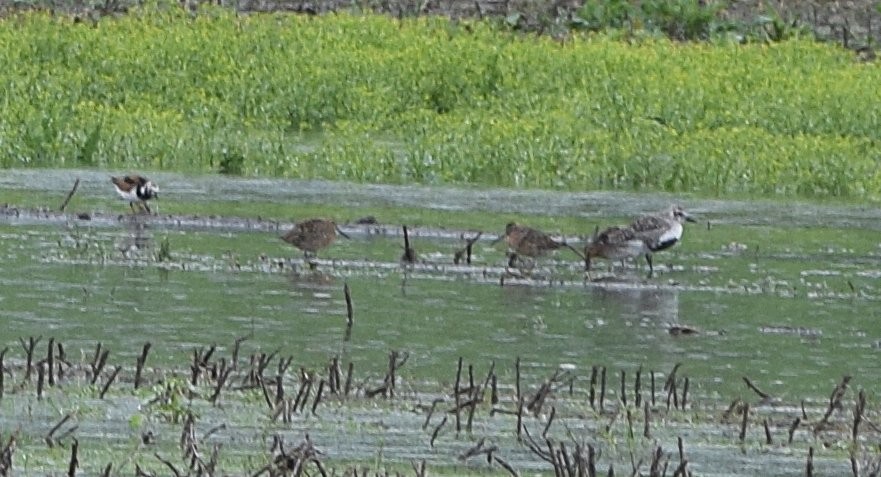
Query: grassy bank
point(368, 98)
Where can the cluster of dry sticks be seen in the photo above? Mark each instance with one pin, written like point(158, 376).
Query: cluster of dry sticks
point(211, 376)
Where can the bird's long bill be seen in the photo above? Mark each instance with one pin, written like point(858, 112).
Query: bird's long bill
point(577, 252)
point(689, 218)
point(342, 233)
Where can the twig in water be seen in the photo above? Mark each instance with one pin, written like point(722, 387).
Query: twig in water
point(859, 408)
point(437, 430)
point(29, 354)
point(50, 361)
point(409, 255)
point(350, 312)
point(109, 381)
point(317, 397)
point(762, 394)
point(142, 359)
point(49, 440)
point(637, 391)
point(834, 402)
point(74, 461)
point(793, 427)
point(41, 371)
point(544, 433)
point(76, 184)
point(744, 422)
point(506, 466)
point(809, 466)
point(593, 385)
point(168, 464)
point(456, 394)
point(431, 412)
point(2, 371)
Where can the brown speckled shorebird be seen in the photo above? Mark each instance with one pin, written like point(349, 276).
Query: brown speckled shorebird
point(529, 242)
point(644, 236)
point(312, 235)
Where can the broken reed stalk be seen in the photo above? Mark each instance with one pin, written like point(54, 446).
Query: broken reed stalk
point(139, 368)
point(653, 387)
point(50, 361)
point(646, 432)
point(317, 397)
point(48, 439)
point(684, 394)
point(809, 466)
point(62, 359)
point(834, 401)
point(624, 388)
point(456, 395)
point(593, 384)
point(74, 461)
point(350, 311)
point(98, 362)
point(2, 370)
point(591, 462)
point(655, 466)
point(437, 430)
point(519, 397)
point(29, 354)
point(109, 381)
point(859, 408)
point(505, 465)
point(629, 424)
point(234, 363)
point(409, 255)
point(637, 390)
point(793, 427)
point(348, 385)
point(168, 464)
point(222, 377)
point(41, 371)
point(70, 194)
point(431, 412)
point(755, 389)
point(544, 433)
point(744, 422)
point(602, 388)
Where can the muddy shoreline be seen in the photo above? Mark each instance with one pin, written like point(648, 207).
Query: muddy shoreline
point(855, 24)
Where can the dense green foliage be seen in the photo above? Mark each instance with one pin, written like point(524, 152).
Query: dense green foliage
point(369, 98)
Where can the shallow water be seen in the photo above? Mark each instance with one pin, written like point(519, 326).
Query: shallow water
point(786, 294)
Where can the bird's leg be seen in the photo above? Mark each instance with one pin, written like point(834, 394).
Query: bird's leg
point(132, 205)
point(648, 258)
point(146, 207)
point(512, 260)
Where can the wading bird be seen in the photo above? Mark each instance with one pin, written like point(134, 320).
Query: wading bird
point(644, 236)
point(529, 242)
point(312, 235)
point(135, 189)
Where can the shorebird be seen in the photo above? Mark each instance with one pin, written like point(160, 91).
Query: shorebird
point(135, 189)
point(529, 242)
point(312, 235)
point(644, 236)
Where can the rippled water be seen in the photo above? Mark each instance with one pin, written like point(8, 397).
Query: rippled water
point(786, 294)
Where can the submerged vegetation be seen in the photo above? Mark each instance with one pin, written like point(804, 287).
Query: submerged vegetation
point(374, 99)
